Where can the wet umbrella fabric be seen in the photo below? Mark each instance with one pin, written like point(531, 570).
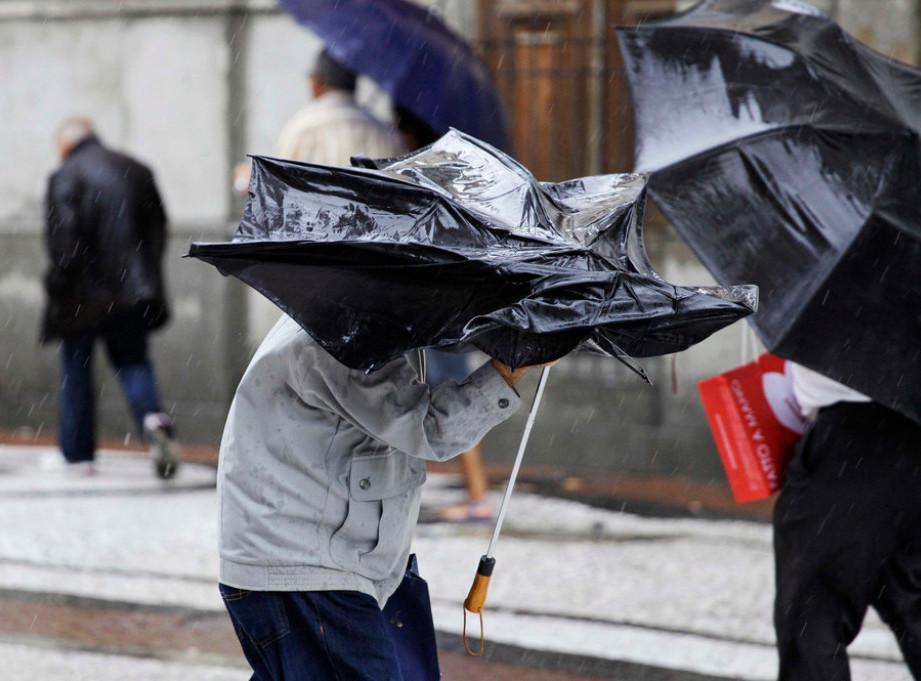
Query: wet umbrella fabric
point(415, 59)
point(457, 245)
point(787, 155)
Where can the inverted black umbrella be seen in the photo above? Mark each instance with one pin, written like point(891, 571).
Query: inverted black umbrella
point(457, 245)
point(416, 59)
point(787, 155)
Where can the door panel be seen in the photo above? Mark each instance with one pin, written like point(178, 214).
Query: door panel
point(559, 68)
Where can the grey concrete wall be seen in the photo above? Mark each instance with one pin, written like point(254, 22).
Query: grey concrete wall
point(159, 85)
point(190, 87)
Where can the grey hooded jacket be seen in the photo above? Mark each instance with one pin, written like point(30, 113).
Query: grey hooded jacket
point(321, 465)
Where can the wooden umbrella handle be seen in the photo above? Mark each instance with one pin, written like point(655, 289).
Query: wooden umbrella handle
point(476, 599)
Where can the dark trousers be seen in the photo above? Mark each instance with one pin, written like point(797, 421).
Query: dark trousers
point(125, 338)
point(847, 535)
point(312, 635)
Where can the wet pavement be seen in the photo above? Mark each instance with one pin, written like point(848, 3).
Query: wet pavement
point(114, 576)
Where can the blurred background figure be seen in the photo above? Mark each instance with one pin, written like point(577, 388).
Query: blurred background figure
point(441, 367)
point(105, 234)
point(332, 127)
point(329, 130)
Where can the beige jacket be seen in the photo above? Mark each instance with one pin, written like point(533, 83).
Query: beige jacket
point(332, 129)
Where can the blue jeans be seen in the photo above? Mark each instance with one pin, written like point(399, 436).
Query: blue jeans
point(441, 367)
point(125, 338)
point(312, 635)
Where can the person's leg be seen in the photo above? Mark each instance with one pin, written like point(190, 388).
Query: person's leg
point(898, 595)
point(78, 413)
point(315, 636)
point(899, 601)
point(126, 342)
point(474, 472)
point(814, 622)
point(477, 507)
point(441, 367)
point(829, 540)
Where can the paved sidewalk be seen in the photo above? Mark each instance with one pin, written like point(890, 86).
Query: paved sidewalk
point(579, 591)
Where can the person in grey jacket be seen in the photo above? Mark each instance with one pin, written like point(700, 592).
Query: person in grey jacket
point(319, 491)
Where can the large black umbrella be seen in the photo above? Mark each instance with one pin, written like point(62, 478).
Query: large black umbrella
point(457, 245)
point(787, 155)
point(416, 59)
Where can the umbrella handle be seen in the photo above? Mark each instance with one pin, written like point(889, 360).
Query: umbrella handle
point(476, 598)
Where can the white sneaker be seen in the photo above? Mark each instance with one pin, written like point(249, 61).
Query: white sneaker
point(54, 462)
point(158, 431)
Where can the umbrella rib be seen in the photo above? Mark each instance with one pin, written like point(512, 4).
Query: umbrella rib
point(856, 47)
point(731, 144)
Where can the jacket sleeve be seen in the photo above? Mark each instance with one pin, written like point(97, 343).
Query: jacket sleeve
point(62, 224)
point(153, 216)
point(393, 406)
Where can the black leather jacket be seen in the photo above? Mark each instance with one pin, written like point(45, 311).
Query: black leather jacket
point(105, 234)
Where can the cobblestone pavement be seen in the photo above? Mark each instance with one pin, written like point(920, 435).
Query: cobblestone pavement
point(114, 577)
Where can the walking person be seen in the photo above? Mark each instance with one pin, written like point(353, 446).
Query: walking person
point(319, 491)
point(332, 127)
point(847, 534)
point(329, 130)
point(441, 367)
point(105, 235)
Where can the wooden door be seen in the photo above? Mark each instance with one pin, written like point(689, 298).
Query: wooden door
point(558, 66)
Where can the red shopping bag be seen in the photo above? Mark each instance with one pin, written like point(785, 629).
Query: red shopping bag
point(756, 423)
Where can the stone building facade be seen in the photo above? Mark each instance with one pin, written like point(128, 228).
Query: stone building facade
point(192, 86)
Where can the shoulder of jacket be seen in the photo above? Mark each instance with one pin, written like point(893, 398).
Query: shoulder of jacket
point(64, 177)
point(127, 160)
point(287, 334)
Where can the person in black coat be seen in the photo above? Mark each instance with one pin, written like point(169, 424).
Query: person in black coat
point(105, 235)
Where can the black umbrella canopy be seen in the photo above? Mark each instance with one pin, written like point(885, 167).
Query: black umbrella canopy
point(458, 245)
point(787, 155)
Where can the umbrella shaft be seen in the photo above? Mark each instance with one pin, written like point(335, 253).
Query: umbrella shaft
point(545, 372)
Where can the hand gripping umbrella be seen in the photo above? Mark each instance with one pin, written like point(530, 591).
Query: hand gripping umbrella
point(457, 245)
point(415, 59)
point(787, 155)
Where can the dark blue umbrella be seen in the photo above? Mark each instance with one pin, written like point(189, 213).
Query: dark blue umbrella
point(415, 59)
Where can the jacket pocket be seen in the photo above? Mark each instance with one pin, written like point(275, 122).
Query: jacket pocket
point(383, 501)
